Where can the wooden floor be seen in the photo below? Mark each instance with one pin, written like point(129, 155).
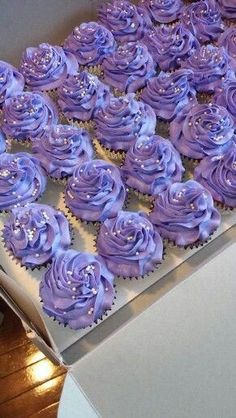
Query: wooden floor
point(30, 385)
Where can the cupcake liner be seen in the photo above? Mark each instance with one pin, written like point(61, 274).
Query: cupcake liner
point(147, 198)
point(118, 93)
point(117, 156)
point(22, 142)
point(59, 180)
point(189, 163)
point(171, 244)
point(88, 125)
point(223, 208)
point(162, 128)
point(204, 97)
point(93, 69)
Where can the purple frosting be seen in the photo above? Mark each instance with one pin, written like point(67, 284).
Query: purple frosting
point(168, 93)
point(35, 233)
point(90, 43)
point(77, 289)
point(46, 66)
point(185, 214)
point(129, 67)
point(80, 96)
point(62, 148)
point(161, 11)
point(95, 191)
point(203, 19)
point(123, 19)
point(204, 129)
point(22, 180)
point(28, 115)
point(169, 45)
point(130, 244)
point(226, 97)
point(122, 121)
point(228, 8)
point(228, 41)
point(151, 164)
point(11, 81)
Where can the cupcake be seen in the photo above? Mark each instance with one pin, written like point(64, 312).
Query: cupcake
point(130, 244)
point(228, 41)
point(161, 11)
point(227, 8)
point(90, 43)
point(77, 289)
point(11, 81)
point(185, 214)
point(4, 143)
point(151, 164)
point(202, 130)
point(35, 233)
point(123, 19)
point(61, 149)
point(27, 115)
point(129, 67)
point(170, 45)
point(169, 93)
point(122, 121)
point(218, 175)
point(226, 96)
point(22, 180)
point(95, 192)
point(203, 19)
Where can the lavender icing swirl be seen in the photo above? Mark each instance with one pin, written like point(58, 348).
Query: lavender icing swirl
point(227, 8)
point(204, 129)
point(151, 164)
point(122, 121)
point(129, 67)
point(161, 11)
point(129, 244)
point(95, 191)
point(169, 93)
point(36, 233)
point(62, 148)
point(22, 180)
point(185, 214)
point(28, 115)
point(77, 289)
point(45, 66)
point(90, 43)
point(228, 41)
point(226, 97)
point(80, 96)
point(11, 81)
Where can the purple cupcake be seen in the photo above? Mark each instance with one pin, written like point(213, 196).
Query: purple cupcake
point(226, 97)
point(77, 289)
point(161, 11)
point(11, 81)
point(227, 8)
point(228, 41)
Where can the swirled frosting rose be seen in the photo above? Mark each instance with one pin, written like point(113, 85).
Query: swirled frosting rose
point(77, 289)
point(185, 213)
point(11, 81)
point(45, 66)
point(80, 96)
point(161, 11)
point(130, 244)
point(168, 93)
point(151, 164)
point(122, 121)
point(35, 233)
point(22, 180)
point(95, 191)
point(27, 115)
point(169, 45)
point(202, 130)
point(228, 41)
point(90, 43)
point(226, 97)
point(210, 65)
point(62, 148)
point(228, 8)
point(123, 19)
point(129, 67)
point(203, 19)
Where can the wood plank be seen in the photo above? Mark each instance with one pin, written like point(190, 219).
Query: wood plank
point(12, 334)
point(49, 412)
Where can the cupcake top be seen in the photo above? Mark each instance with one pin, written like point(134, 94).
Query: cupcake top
point(77, 289)
point(27, 115)
point(203, 19)
point(228, 41)
point(218, 175)
point(90, 43)
point(122, 18)
point(161, 11)
point(95, 191)
point(129, 67)
point(130, 244)
point(168, 93)
point(45, 66)
point(169, 45)
point(226, 96)
point(11, 81)
point(4, 145)
point(35, 233)
point(228, 8)
point(204, 129)
point(62, 148)
point(151, 164)
point(80, 96)
point(122, 121)
point(185, 214)
point(22, 180)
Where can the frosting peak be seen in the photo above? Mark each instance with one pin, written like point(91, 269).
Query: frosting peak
point(11, 81)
